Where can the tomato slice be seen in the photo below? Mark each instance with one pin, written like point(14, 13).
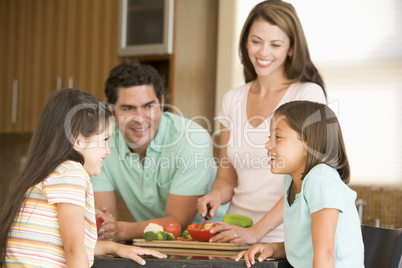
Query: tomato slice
point(182, 239)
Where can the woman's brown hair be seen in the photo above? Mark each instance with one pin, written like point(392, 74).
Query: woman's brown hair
point(319, 128)
point(299, 67)
point(67, 114)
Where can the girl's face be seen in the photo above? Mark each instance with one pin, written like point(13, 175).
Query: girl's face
point(286, 150)
point(268, 47)
point(94, 149)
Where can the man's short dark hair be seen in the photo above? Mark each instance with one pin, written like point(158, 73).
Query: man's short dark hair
point(132, 73)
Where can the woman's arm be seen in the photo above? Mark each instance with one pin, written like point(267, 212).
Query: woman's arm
point(72, 230)
point(323, 228)
point(255, 233)
point(225, 181)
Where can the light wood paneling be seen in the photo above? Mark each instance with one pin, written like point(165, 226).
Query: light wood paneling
point(195, 58)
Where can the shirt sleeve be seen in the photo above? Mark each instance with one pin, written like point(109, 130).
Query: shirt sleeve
point(70, 187)
point(193, 164)
point(322, 191)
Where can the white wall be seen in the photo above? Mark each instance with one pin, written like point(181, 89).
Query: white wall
point(357, 46)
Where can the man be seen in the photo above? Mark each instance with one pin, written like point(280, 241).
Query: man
point(159, 160)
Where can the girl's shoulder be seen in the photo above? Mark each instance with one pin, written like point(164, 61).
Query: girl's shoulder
point(68, 168)
point(323, 176)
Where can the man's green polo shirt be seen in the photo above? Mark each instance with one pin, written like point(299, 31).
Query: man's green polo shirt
point(178, 161)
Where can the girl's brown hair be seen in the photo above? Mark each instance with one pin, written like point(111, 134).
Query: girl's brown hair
point(299, 67)
point(67, 114)
point(318, 127)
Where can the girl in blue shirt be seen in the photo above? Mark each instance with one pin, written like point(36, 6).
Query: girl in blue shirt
point(322, 227)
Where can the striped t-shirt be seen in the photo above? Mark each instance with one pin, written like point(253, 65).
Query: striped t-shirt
point(34, 239)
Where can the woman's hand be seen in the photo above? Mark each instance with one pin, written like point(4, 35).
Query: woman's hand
point(234, 234)
point(213, 199)
point(108, 230)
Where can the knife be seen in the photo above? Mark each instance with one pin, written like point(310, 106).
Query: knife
point(204, 220)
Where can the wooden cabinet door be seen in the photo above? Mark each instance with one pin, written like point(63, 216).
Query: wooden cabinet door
point(13, 37)
point(91, 34)
point(46, 45)
point(30, 43)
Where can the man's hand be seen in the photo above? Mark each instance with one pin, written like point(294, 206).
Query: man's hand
point(108, 230)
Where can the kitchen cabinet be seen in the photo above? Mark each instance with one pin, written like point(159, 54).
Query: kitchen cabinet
point(47, 45)
point(191, 69)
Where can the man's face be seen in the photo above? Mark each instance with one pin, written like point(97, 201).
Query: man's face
point(138, 112)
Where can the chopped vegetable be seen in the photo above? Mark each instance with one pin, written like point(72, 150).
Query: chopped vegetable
point(186, 235)
point(161, 235)
point(150, 236)
point(152, 227)
point(169, 236)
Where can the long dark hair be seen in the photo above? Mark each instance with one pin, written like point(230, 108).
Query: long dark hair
point(319, 128)
point(67, 114)
point(299, 67)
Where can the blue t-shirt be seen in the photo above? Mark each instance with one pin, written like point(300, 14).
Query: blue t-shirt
point(178, 161)
point(322, 188)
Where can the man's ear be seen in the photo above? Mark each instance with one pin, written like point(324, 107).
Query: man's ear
point(112, 108)
point(162, 102)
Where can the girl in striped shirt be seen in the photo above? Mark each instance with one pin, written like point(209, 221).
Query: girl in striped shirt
point(48, 219)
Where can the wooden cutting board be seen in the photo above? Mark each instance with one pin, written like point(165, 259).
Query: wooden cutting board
point(189, 244)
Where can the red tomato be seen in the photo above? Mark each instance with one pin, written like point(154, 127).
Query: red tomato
point(173, 228)
point(155, 222)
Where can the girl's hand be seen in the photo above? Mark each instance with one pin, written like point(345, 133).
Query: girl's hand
point(233, 234)
point(132, 252)
point(263, 251)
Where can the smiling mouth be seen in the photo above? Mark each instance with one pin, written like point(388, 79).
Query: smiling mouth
point(264, 62)
point(272, 157)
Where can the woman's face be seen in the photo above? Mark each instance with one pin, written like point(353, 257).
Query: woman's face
point(94, 149)
point(287, 152)
point(268, 47)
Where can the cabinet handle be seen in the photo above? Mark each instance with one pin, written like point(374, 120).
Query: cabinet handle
point(70, 82)
point(14, 102)
point(59, 82)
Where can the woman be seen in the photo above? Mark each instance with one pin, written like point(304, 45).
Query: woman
point(277, 69)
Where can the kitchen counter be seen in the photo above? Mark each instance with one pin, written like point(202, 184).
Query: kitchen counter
point(206, 262)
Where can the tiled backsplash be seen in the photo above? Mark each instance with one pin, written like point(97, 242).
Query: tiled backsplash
point(382, 203)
